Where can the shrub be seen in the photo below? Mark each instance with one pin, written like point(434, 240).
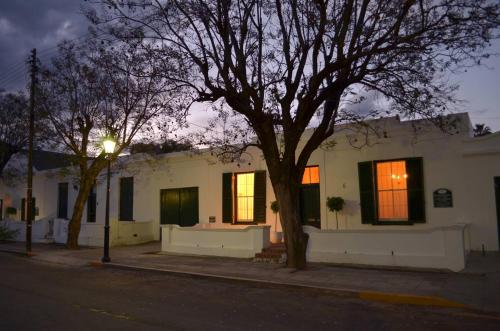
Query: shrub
point(6, 234)
point(275, 207)
point(335, 204)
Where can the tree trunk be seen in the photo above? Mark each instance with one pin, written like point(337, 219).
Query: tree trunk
point(76, 218)
point(296, 240)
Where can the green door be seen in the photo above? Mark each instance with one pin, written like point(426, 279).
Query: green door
point(310, 205)
point(179, 206)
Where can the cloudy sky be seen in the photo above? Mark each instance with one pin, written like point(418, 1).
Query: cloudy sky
point(41, 24)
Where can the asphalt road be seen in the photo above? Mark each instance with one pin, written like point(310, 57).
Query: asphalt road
point(44, 296)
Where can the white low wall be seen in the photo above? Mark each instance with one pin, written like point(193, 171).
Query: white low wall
point(441, 248)
point(207, 239)
point(131, 233)
point(41, 230)
point(92, 234)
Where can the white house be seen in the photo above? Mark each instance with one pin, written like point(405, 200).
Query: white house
point(415, 196)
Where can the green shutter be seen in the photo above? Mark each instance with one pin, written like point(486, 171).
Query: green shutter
point(227, 197)
point(416, 201)
point(188, 209)
point(169, 206)
point(259, 197)
point(126, 199)
point(366, 192)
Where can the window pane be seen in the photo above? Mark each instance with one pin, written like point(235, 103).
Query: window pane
point(244, 192)
point(306, 178)
point(400, 204)
point(392, 190)
point(311, 175)
point(314, 172)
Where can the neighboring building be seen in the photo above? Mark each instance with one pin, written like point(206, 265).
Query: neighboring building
point(415, 196)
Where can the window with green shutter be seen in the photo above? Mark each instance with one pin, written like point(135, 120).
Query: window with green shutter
point(62, 201)
point(126, 199)
point(244, 197)
point(392, 192)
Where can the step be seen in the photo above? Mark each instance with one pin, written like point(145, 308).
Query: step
point(269, 255)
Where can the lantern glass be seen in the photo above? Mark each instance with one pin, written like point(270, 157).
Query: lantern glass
point(109, 145)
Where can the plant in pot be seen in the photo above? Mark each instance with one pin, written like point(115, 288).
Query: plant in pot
point(335, 204)
point(10, 211)
point(276, 237)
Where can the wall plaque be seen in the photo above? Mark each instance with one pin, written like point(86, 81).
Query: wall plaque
point(443, 198)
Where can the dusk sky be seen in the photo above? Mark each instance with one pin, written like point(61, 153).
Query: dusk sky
point(42, 24)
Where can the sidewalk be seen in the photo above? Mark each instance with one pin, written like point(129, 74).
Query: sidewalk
point(478, 286)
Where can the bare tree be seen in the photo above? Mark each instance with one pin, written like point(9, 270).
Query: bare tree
point(481, 130)
point(14, 126)
point(280, 64)
point(92, 92)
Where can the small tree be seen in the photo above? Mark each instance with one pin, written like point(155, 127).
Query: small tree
point(90, 92)
point(335, 204)
point(275, 209)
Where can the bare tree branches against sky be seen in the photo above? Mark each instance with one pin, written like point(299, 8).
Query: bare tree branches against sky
point(25, 24)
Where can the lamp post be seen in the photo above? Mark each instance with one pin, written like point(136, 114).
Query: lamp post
point(109, 148)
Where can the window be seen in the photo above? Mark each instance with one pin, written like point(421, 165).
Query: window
point(311, 175)
point(244, 197)
point(310, 197)
point(126, 211)
point(62, 201)
point(92, 205)
point(392, 193)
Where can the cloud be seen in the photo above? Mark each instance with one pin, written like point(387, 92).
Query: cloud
point(40, 24)
point(6, 27)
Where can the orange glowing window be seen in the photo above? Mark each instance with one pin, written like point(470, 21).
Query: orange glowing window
point(244, 197)
point(311, 175)
point(392, 190)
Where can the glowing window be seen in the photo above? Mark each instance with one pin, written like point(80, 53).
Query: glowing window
point(392, 190)
point(311, 175)
point(244, 197)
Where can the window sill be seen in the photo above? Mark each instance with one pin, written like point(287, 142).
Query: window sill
point(248, 223)
point(392, 223)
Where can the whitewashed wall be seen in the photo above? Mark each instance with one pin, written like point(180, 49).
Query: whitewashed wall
point(92, 234)
point(438, 248)
point(239, 241)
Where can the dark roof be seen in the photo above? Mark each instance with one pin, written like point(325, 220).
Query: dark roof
point(45, 160)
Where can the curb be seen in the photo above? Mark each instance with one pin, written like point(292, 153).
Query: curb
point(394, 298)
point(18, 252)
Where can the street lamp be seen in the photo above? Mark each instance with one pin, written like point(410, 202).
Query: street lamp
point(109, 147)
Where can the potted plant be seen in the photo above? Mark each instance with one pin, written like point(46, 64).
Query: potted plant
point(276, 237)
point(335, 204)
point(10, 211)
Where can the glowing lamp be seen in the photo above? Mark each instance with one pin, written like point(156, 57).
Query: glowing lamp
point(109, 145)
